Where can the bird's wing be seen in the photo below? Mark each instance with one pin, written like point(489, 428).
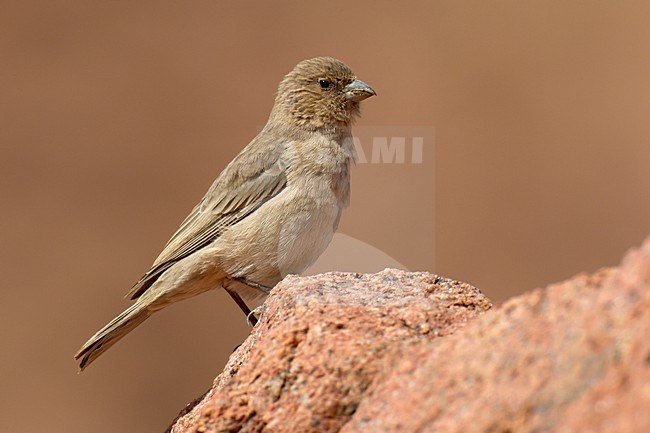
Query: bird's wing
point(255, 176)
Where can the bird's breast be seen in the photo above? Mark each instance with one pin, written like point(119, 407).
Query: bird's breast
point(289, 232)
point(319, 163)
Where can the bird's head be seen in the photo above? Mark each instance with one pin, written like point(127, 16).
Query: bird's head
point(319, 93)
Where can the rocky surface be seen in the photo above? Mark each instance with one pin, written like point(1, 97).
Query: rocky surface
point(320, 344)
point(413, 352)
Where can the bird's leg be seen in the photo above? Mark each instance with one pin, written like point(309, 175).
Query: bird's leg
point(250, 317)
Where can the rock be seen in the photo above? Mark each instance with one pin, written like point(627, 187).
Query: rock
point(574, 357)
point(414, 352)
point(320, 344)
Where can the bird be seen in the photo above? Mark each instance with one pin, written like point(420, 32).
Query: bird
point(271, 212)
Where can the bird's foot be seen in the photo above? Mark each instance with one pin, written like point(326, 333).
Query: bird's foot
point(251, 318)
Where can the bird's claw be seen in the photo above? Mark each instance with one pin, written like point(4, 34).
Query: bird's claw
point(252, 317)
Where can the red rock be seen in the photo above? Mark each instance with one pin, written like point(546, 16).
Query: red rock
point(574, 357)
point(321, 343)
point(412, 352)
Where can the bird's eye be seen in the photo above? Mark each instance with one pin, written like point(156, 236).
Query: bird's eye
point(324, 84)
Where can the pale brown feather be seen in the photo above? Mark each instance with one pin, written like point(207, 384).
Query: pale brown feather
point(253, 177)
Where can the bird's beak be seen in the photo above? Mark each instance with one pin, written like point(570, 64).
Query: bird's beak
point(358, 91)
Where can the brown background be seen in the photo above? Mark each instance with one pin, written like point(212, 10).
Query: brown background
point(116, 116)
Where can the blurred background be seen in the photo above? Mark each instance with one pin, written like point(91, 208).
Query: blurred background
point(117, 116)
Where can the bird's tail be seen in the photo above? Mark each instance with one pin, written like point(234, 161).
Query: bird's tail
point(111, 333)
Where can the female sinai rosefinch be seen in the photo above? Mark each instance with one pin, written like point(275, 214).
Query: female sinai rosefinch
point(271, 212)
